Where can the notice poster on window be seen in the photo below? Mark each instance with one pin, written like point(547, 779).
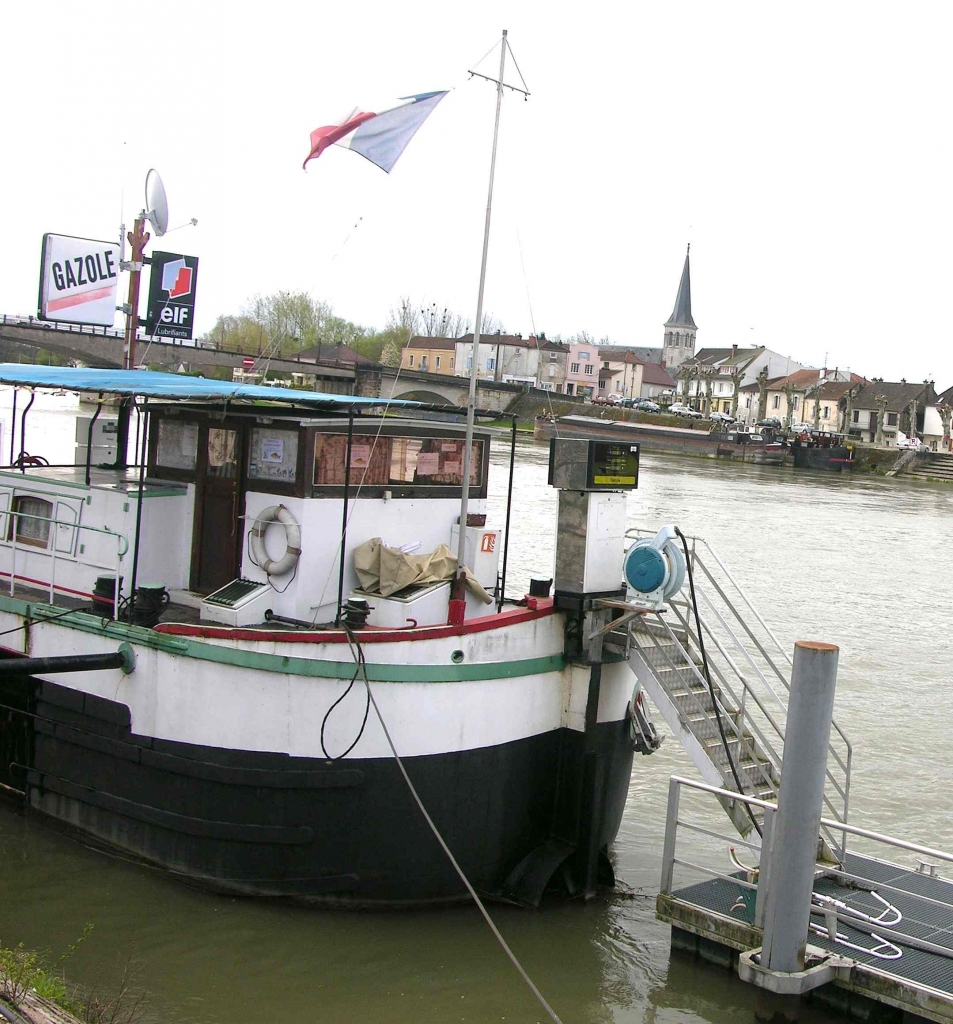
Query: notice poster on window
point(428, 463)
point(360, 456)
point(273, 455)
point(272, 449)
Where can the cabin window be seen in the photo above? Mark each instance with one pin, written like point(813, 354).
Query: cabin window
point(273, 455)
point(395, 461)
point(222, 453)
point(177, 445)
point(30, 523)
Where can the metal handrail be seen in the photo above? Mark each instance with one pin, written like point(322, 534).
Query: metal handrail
point(670, 860)
point(739, 733)
point(773, 754)
point(50, 551)
point(730, 625)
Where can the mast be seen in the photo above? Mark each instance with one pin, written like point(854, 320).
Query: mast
point(458, 593)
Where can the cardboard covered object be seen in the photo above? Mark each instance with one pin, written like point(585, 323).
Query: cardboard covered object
point(385, 570)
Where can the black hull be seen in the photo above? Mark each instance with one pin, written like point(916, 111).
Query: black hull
point(834, 459)
point(341, 833)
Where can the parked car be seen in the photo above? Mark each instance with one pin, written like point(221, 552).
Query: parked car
point(680, 409)
point(912, 443)
point(800, 428)
point(630, 403)
point(646, 406)
point(721, 417)
point(770, 421)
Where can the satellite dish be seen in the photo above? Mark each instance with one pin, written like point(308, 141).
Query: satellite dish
point(157, 206)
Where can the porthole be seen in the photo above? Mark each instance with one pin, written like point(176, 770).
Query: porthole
point(456, 657)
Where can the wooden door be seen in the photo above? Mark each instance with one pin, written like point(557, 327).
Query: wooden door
point(217, 528)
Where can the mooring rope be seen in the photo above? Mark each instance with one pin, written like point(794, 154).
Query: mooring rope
point(358, 656)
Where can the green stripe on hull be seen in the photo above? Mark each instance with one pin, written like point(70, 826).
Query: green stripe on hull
point(190, 648)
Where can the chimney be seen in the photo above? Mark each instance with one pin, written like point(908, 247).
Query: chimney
point(734, 351)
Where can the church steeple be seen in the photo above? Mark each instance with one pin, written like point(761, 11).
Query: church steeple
point(680, 328)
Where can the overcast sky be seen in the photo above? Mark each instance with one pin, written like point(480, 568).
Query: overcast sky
point(801, 148)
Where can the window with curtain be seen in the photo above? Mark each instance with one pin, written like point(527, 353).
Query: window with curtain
point(30, 522)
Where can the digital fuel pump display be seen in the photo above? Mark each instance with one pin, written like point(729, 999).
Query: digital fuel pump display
point(577, 464)
point(613, 464)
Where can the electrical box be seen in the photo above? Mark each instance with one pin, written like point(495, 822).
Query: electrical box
point(105, 434)
point(593, 464)
point(481, 552)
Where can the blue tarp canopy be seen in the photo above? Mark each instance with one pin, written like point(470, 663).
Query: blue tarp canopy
point(153, 384)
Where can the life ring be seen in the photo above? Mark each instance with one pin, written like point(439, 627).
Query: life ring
point(287, 562)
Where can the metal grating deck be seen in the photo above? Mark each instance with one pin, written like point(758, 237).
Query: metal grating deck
point(932, 922)
point(229, 595)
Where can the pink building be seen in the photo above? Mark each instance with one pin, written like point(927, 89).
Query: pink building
point(582, 370)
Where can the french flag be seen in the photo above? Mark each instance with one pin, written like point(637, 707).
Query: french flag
point(381, 136)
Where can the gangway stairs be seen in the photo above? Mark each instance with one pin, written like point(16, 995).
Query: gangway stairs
point(750, 677)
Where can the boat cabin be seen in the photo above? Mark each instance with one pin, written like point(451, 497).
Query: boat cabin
point(246, 510)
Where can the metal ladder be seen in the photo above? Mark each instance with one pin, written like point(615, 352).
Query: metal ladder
point(750, 682)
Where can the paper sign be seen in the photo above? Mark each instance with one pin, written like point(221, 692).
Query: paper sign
point(428, 463)
point(360, 456)
point(272, 449)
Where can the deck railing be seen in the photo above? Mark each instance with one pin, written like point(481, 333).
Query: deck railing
point(920, 906)
point(13, 547)
point(751, 665)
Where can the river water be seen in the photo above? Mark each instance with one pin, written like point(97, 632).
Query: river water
point(864, 563)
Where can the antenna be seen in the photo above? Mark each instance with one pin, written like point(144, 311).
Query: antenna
point(157, 206)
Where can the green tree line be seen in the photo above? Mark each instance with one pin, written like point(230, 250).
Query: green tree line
point(286, 323)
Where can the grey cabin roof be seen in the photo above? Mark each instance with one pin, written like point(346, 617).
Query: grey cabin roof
point(682, 313)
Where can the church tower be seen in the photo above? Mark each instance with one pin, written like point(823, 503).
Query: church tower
point(680, 328)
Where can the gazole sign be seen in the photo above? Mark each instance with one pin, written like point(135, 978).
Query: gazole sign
point(78, 279)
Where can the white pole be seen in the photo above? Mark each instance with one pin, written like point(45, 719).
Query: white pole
point(471, 399)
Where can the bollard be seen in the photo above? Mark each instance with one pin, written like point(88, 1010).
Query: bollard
point(800, 801)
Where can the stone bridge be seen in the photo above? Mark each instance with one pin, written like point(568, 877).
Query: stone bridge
point(99, 346)
point(434, 388)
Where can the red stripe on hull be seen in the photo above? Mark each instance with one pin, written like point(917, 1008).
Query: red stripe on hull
point(370, 636)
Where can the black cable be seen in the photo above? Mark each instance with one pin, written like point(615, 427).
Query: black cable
point(352, 642)
point(30, 622)
point(367, 705)
point(711, 688)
